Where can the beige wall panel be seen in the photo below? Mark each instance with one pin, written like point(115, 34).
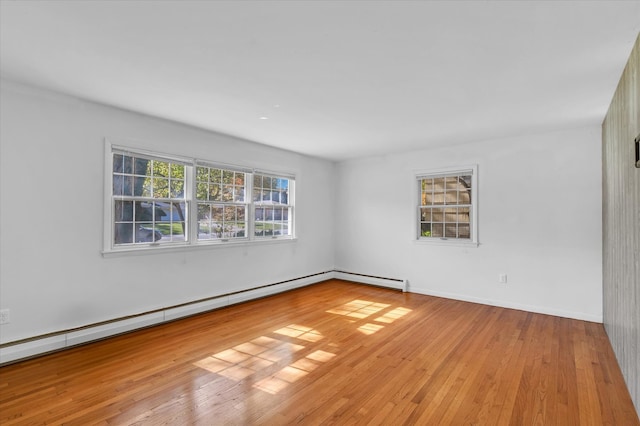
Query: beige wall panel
point(621, 224)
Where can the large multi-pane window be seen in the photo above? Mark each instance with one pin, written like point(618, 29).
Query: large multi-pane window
point(447, 206)
point(161, 200)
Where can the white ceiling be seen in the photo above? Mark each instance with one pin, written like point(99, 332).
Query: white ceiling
point(336, 79)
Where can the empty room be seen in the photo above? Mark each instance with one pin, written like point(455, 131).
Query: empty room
point(319, 212)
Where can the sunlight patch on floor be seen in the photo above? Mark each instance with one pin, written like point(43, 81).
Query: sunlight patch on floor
point(241, 361)
point(300, 332)
point(393, 315)
point(359, 309)
point(369, 328)
point(293, 372)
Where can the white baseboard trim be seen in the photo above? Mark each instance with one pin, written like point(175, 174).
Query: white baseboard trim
point(40, 345)
point(510, 305)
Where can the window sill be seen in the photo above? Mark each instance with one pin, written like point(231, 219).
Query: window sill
point(446, 242)
point(144, 250)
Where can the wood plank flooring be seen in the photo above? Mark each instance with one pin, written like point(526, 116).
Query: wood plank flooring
point(332, 353)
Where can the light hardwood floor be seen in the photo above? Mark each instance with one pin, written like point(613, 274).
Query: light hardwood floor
point(332, 353)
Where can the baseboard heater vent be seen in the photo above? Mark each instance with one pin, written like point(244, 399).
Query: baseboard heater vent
point(396, 283)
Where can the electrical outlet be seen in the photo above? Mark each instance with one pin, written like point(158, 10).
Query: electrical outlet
point(5, 316)
point(502, 278)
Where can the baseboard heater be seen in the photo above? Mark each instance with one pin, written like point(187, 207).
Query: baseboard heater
point(51, 342)
point(396, 283)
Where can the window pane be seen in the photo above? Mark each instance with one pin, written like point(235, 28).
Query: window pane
point(463, 214)
point(425, 215)
point(202, 174)
point(437, 215)
point(241, 230)
point(118, 185)
point(451, 183)
point(450, 230)
point(238, 194)
point(123, 233)
point(216, 213)
point(123, 211)
point(146, 234)
point(464, 195)
point(227, 177)
point(177, 189)
point(177, 171)
point(215, 192)
point(437, 230)
point(118, 163)
point(160, 188)
point(227, 193)
point(160, 168)
point(202, 191)
point(241, 213)
point(425, 230)
point(178, 214)
point(266, 182)
point(427, 198)
point(127, 166)
point(215, 176)
point(464, 230)
point(143, 211)
point(141, 166)
point(451, 215)
point(216, 229)
point(141, 187)
point(438, 198)
point(204, 230)
point(229, 213)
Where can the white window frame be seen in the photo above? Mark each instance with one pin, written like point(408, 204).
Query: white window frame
point(191, 203)
point(289, 206)
point(443, 172)
point(246, 203)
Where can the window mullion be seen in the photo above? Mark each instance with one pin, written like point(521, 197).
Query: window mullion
point(190, 203)
point(251, 208)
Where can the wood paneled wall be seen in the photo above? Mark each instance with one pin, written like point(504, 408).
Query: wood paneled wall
point(621, 224)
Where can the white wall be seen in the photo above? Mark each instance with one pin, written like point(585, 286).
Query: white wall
point(539, 222)
point(52, 274)
point(539, 218)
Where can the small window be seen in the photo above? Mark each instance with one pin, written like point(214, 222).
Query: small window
point(447, 208)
